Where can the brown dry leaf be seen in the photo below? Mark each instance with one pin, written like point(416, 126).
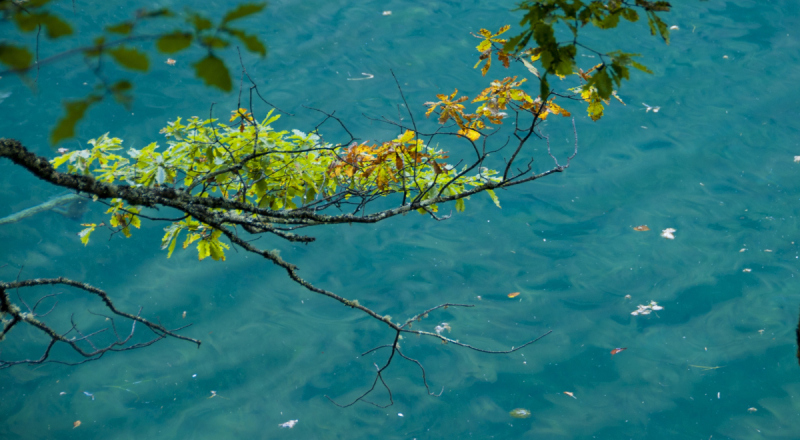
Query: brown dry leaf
point(513, 294)
point(641, 228)
point(76, 424)
point(570, 394)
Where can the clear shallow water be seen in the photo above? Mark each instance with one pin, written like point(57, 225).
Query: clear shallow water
point(715, 163)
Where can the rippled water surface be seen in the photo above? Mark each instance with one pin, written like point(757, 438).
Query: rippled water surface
point(715, 163)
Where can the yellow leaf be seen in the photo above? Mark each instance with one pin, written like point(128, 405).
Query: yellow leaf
point(486, 66)
point(407, 136)
point(84, 234)
point(494, 197)
point(595, 110)
point(203, 250)
point(191, 238)
point(172, 245)
point(57, 162)
point(469, 134)
point(554, 108)
point(502, 30)
point(531, 68)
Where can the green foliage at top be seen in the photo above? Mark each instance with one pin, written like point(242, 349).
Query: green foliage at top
point(251, 162)
point(32, 15)
point(538, 41)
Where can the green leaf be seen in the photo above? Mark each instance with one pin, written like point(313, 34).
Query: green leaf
point(162, 12)
point(242, 11)
point(54, 26)
point(174, 42)
point(630, 15)
point(252, 42)
point(120, 90)
point(212, 42)
point(130, 58)
point(544, 87)
point(213, 72)
point(641, 67)
point(200, 23)
point(611, 21)
point(65, 128)
point(124, 28)
point(602, 82)
point(15, 57)
point(460, 205)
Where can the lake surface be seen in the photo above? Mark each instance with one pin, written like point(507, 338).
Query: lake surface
point(715, 163)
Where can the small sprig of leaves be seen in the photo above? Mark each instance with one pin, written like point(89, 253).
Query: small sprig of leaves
point(537, 43)
point(252, 163)
point(117, 42)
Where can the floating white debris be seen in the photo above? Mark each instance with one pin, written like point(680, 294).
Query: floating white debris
point(654, 109)
point(668, 233)
point(290, 424)
point(442, 327)
point(647, 309)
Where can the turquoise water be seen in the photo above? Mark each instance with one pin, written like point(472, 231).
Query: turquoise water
point(715, 163)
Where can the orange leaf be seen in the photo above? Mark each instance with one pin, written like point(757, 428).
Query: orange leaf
point(617, 350)
point(513, 294)
point(641, 228)
point(486, 66)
